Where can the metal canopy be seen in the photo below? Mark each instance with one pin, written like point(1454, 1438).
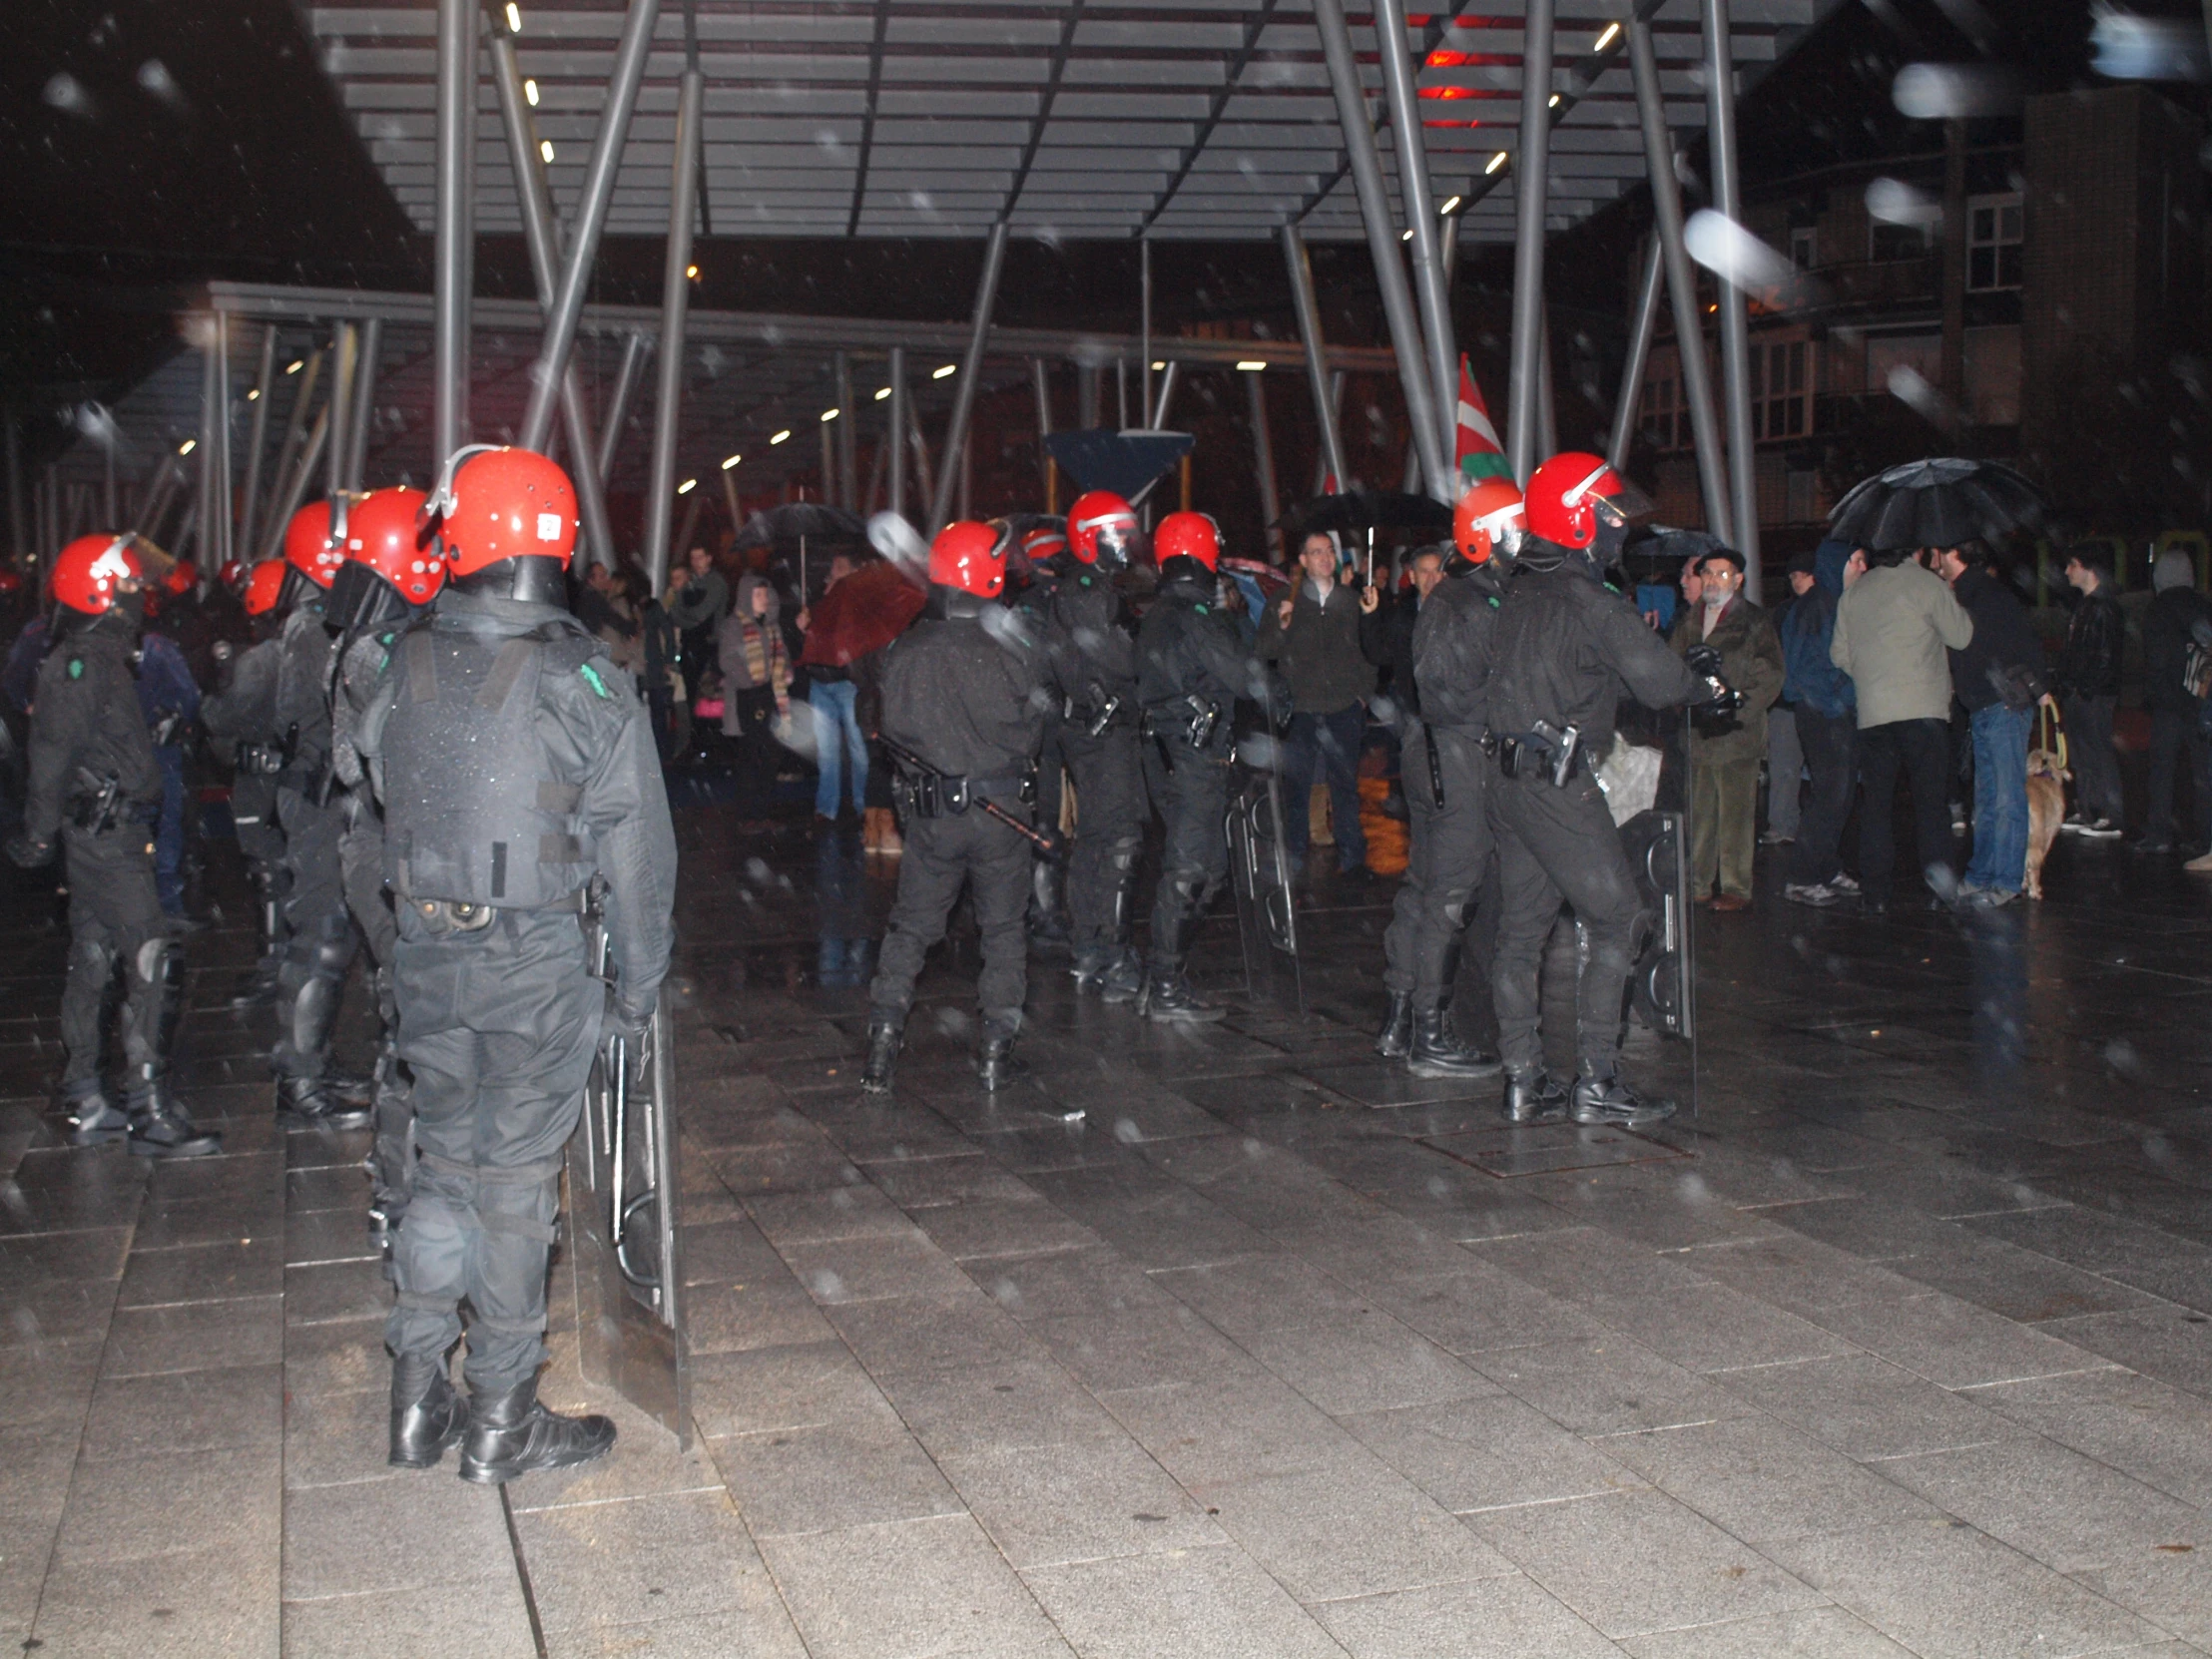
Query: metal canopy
point(1196, 119)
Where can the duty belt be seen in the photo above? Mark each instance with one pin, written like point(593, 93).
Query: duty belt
point(460, 916)
point(943, 793)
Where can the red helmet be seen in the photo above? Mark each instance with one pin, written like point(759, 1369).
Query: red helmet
point(1488, 519)
point(308, 545)
point(1102, 523)
point(232, 574)
point(385, 532)
point(969, 556)
point(11, 579)
point(262, 587)
point(497, 504)
point(1040, 543)
point(1566, 493)
point(86, 574)
point(1188, 536)
point(183, 577)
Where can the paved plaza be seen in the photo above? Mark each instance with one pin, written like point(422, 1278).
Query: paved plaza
point(1215, 1343)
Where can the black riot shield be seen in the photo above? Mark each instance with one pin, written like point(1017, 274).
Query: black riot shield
point(622, 1187)
point(1663, 987)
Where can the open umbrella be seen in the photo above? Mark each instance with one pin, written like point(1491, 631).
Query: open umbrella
point(1361, 510)
point(795, 519)
point(863, 613)
point(1124, 462)
point(1935, 503)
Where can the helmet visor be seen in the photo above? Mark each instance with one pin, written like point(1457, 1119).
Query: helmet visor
point(442, 501)
point(1609, 490)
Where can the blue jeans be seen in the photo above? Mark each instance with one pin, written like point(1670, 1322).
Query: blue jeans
point(1999, 797)
point(837, 728)
point(168, 832)
point(1330, 745)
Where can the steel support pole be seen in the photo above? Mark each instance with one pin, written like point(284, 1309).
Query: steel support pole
point(1533, 190)
point(1262, 457)
point(1041, 381)
point(971, 371)
point(453, 256)
point(160, 490)
point(111, 508)
point(1144, 324)
point(208, 393)
point(293, 489)
point(1170, 379)
point(591, 219)
point(872, 499)
point(345, 345)
point(539, 231)
point(1420, 207)
point(217, 533)
point(729, 499)
point(634, 348)
point(828, 463)
point(849, 439)
point(1316, 367)
point(1719, 132)
point(16, 518)
point(1382, 245)
point(1087, 396)
point(362, 416)
point(675, 301)
point(1689, 322)
point(1641, 327)
point(1547, 406)
point(256, 437)
point(296, 434)
point(896, 437)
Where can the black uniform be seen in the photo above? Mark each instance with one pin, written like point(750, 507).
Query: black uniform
point(1441, 733)
point(1094, 667)
point(964, 688)
point(96, 787)
point(514, 764)
point(1051, 897)
point(1192, 666)
point(242, 718)
point(362, 869)
point(1566, 647)
point(312, 810)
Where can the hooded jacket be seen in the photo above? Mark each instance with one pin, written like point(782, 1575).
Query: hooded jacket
point(751, 651)
point(1807, 629)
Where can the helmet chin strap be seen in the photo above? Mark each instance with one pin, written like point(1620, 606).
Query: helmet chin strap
point(532, 580)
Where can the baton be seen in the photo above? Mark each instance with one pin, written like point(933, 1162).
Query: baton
point(1436, 767)
point(991, 808)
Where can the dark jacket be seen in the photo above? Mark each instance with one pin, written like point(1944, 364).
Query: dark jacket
point(2089, 662)
point(1187, 647)
point(1807, 629)
point(1319, 651)
point(964, 688)
point(1089, 643)
point(1568, 647)
point(1751, 664)
point(165, 682)
point(2003, 642)
point(1454, 647)
point(1387, 640)
point(86, 718)
point(2166, 626)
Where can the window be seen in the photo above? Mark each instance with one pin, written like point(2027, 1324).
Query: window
point(1778, 391)
point(1660, 411)
point(1804, 248)
point(1992, 242)
point(1895, 242)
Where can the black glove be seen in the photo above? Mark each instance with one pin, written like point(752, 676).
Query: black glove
point(1721, 700)
point(27, 854)
point(1704, 661)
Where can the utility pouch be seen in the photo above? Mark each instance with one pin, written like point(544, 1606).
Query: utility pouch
point(442, 917)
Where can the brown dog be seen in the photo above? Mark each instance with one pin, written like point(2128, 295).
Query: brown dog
point(2047, 810)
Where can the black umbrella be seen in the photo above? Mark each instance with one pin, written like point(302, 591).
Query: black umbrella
point(1369, 510)
point(1124, 462)
point(811, 519)
point(1935, 503)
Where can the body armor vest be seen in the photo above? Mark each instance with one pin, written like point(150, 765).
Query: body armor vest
point(473, 811)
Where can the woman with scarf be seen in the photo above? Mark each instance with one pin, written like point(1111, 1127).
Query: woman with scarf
point(756, 668)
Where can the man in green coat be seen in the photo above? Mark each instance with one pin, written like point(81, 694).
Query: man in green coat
point(1725, 750)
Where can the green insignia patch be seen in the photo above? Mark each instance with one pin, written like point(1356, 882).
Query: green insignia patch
point(76, 668)
point(1201, 610)
point(591, 678)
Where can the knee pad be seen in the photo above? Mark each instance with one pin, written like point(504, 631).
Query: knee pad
point(94, 957)
point(157, 962)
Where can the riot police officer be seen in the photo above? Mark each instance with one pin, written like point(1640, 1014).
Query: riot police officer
point(965, 703)
point(96, 787)
point(1092, 651)
point(312, 810)
point(392, 570)
point(241, 715)
point(1032, 583)
point(1192, 666)
point(1446, 777)
point(1566, 648)
point(518, 775)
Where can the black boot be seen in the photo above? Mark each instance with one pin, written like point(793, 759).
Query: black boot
point(884, 1040)
point(1090, 965)
point(511, 1433)
point(158, 1125)
point(1534, 1097)
point(1169, 998)
point(1609, 1100)
point(1395, 1040)
point(427, 1411)
point(93, 1119)
point(1124, 981)
point(1048, 911)
point(1440, 1051)
point(311, 1103)
point(995, 1064)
